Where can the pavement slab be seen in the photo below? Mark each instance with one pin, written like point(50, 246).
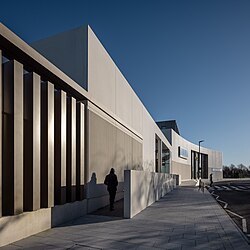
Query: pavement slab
point(186, 218)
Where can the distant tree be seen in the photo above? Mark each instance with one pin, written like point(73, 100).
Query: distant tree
point(232, 166)
point(241, 166)
point(231, 171)
point(226, 172)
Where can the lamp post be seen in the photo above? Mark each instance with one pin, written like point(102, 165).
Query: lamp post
point(199, 160)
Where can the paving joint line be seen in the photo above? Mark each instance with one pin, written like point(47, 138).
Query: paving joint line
point(244, 235)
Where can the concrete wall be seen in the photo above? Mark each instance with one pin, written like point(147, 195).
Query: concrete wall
point(142, 188)
point(107, 87)
point(111, 145)
point(63, 51)
point(183, 166)
point(111, 91)
point(13, 228)
point(183, 170)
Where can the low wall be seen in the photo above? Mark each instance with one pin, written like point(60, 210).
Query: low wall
point(142, 188)
point(13, 228)
point(16, 227)
point(67, 212)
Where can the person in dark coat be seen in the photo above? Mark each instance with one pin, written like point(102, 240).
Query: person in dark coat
point(112, 183)
point(211, 180)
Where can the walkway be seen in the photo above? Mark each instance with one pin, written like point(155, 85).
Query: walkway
point(183, 219)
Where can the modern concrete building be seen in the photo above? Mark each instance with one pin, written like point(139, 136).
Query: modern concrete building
point(68, 116)
point(189, 160)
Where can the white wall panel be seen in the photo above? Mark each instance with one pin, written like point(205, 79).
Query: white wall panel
point(148, 143)
point(1, 110)
point(124, 92)
point(101, 73)
point(137, 113)
point(142, 188)
point(68, 51)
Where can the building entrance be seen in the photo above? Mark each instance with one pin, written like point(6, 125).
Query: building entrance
point(196, 162)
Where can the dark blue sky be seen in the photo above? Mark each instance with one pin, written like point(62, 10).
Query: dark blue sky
point(186, 60)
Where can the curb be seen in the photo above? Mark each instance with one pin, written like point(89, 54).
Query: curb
point(242, 234)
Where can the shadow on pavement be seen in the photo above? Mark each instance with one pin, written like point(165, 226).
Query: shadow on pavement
point(118, 212)
point(99, 216)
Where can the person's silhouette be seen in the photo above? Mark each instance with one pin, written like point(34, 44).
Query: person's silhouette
point(211, 180)
point(112, 183)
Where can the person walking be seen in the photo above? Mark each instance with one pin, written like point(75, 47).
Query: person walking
point(211, 180)
point(112, 183)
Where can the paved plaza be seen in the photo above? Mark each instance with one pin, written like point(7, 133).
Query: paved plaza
point(184, 219)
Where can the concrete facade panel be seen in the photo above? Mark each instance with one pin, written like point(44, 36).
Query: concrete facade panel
point(142, 188)
point(68, 212)
point(148, 144)
point(1, 111)
point(71, 149)
point(128, 151)
point(23, 225)
point(124, 106)
point(101, 73)
point(18, 137)
point(112, 147)
point(80, 150)
point(32, 134)
point(137, 155)
point(184, 170)
point(101, 148)
point(60, 149)
point(12, 191)
point(36, 140)
point(68, 51)
point(51, 128)
point(109, 88)
point(47, 145)
point(120, 161)
point(137, 114)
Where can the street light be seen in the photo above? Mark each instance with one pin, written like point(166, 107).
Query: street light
point(199, 161)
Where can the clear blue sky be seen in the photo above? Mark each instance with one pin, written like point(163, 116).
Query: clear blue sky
point(186, 60)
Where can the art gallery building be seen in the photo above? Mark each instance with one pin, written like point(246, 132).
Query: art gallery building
point(68, 116)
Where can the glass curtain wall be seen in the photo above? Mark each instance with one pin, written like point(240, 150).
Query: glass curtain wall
point(195, 163)
point(204, 166)
point(165, 168)
point(157, 154)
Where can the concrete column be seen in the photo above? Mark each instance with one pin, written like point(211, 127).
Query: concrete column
point(1, 100)
point(36, 140)
point(80, 151)
point(60, 149)
point(47, 145)
point(71, 149)
point(32, 134)
point(12, 174)
point(86, 148)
